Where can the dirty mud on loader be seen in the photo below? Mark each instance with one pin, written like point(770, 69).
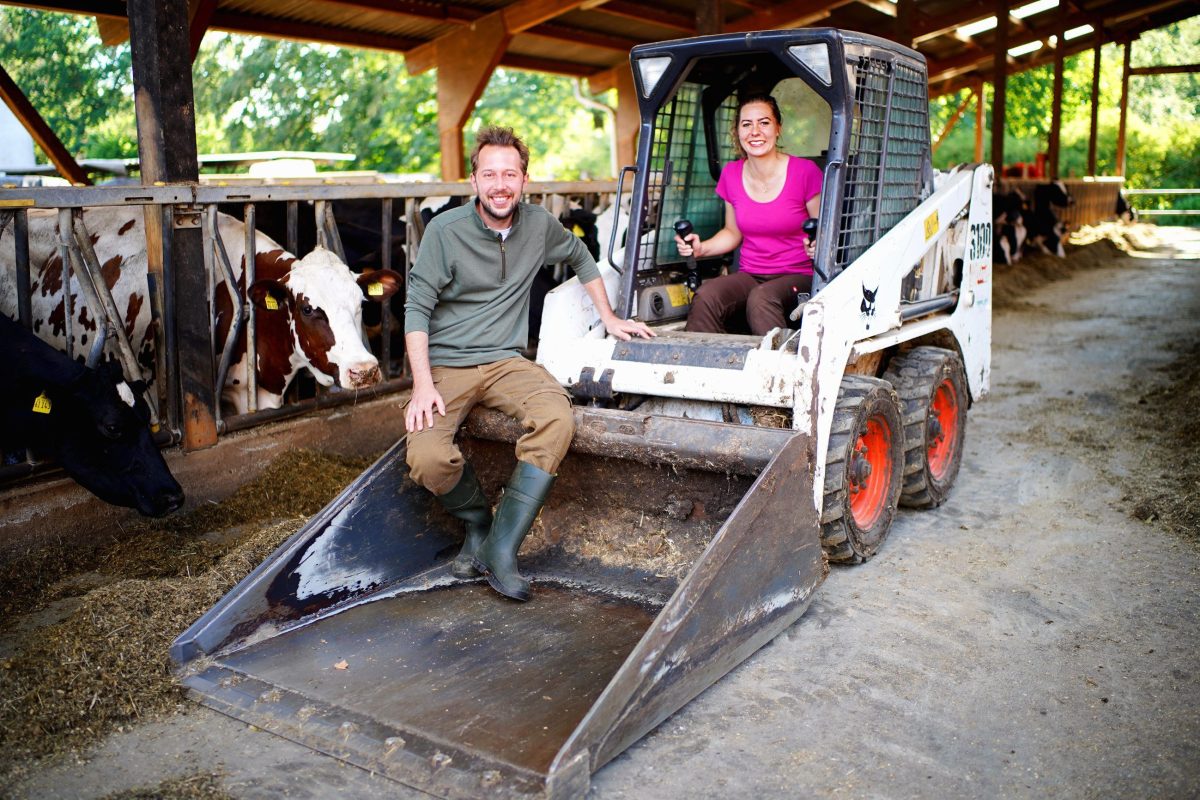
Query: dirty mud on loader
point(679, 538)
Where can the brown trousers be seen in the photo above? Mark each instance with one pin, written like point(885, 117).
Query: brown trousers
point(516, 386)
point(766, 301)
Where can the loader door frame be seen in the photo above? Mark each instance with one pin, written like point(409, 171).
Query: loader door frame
point(878, 162)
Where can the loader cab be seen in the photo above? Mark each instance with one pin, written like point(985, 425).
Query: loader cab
point(855, 105)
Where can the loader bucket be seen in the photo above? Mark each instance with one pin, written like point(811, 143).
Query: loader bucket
point(669, 551)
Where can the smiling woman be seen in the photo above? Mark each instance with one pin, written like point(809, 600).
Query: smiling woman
point(768, 196)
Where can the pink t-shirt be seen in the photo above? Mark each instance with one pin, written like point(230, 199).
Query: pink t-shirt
point(772, 242)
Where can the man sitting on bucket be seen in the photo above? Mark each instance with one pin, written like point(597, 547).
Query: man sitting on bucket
point(465, 323)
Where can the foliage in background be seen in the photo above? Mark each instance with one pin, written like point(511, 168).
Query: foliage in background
point(1162, 126)
point(262, 94)
point(82, 88)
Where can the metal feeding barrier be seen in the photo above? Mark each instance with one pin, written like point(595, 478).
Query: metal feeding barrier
point(399, 204)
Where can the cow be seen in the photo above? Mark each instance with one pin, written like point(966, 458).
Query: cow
point(92, 422)
point(1008, 211)
point(308, 311)
point(1046, 230)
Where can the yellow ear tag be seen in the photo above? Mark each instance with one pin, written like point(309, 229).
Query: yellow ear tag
point(41, 404)
point(271, 303)
point(578, 231)
point(375, 289)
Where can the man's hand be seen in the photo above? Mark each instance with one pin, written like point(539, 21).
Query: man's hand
point(421, 406)
point(626, 329)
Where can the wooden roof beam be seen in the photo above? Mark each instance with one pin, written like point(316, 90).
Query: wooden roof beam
point(514, 19)
point(435, 12)
point(603, 41)
point(663, 18)
point(788, 14)
point(236, 22)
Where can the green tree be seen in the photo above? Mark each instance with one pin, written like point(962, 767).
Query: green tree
point(82, 88)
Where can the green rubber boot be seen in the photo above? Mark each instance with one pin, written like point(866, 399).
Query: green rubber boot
point(496, 558)
point(468, 502)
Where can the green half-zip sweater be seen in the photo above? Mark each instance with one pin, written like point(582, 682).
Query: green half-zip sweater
point(469, 290)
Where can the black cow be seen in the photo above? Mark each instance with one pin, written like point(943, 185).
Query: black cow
point(1008, 212)
point(1046, 230)
point(1125, 212)
point(90, 421)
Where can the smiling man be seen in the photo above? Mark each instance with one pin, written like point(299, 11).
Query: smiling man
point(465, 324)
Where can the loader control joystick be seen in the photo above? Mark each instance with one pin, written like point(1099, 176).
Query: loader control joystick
point(809, 227)
point(684, 229)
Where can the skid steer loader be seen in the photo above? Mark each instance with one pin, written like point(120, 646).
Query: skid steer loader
point(711, 478)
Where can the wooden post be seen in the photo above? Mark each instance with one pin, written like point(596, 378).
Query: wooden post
point(628, 118)
point(710, 17)
point(166, 123)
point(979, 122)
point(1124, 111)
point(904, 22)
point(999, 81)
point(465, 61)
point(1056, 108)
point(1095, 103)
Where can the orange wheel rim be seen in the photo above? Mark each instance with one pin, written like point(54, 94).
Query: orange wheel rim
point(871, 473)
point(942, 434)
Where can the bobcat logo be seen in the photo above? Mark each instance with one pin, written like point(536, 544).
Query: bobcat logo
point(868, 302)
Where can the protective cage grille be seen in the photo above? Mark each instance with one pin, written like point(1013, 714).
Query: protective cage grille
point(682, 185)
point(889, 139)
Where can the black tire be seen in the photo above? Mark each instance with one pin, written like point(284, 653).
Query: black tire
point(862, 469)
point(932, 386)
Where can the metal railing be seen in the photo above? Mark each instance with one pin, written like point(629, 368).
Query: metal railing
point(202, 202)
point(1165, 212)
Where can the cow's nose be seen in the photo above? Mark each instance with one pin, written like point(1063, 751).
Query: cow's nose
point(364, 375)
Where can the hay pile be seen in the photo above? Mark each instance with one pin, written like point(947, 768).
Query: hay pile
point(1089, 247)
point(106, 664)
point(1165, 484)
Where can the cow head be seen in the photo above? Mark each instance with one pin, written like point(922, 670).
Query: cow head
point(1053, 193)
point(323, 301)
point(102, 430)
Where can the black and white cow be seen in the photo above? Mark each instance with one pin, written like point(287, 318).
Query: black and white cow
point(90, 421)
point(1008, 211)
point(1046, 229)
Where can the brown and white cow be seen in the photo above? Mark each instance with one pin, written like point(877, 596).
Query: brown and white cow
point(308, 311)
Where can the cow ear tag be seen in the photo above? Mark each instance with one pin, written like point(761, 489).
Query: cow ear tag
point(41, 404)
point(375, 289)
point(271, 303)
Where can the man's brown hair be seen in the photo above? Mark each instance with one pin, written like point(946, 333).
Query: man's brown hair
point(499, 137)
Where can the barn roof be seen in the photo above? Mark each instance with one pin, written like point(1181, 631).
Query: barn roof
point(587, 37)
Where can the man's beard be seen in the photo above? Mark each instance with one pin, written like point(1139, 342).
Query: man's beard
point(497, 214)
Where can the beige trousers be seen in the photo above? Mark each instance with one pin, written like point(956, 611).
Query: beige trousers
point(516, 386)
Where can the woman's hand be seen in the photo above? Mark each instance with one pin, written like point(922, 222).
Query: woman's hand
point(691, 246)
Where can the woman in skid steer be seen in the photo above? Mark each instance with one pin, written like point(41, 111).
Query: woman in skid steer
point(768, 195)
